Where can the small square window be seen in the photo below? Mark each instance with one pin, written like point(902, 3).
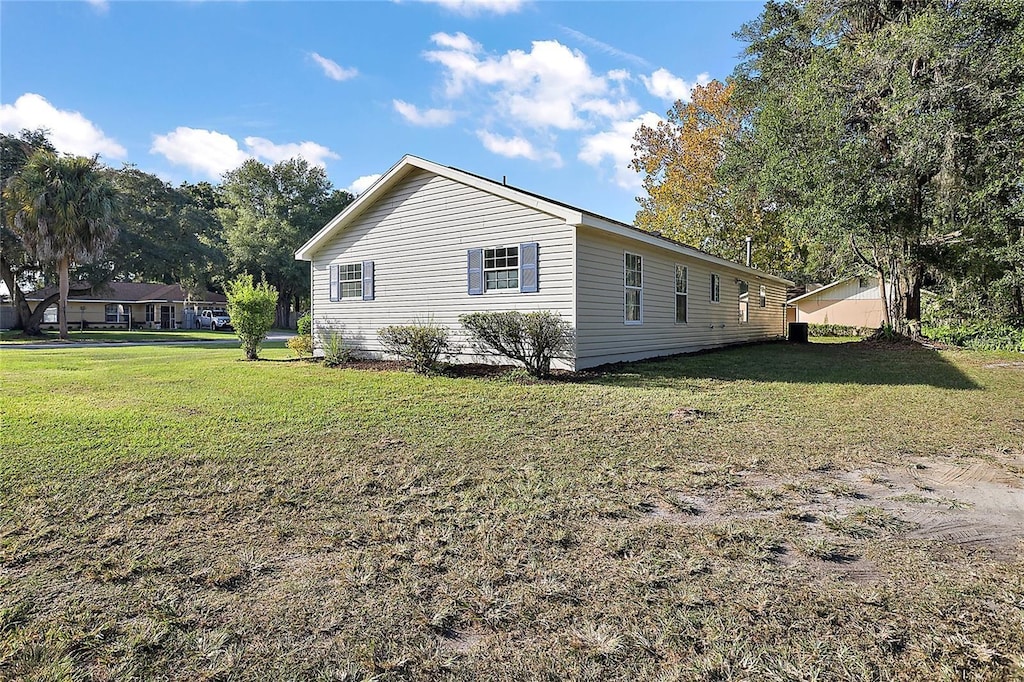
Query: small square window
point(501, 268)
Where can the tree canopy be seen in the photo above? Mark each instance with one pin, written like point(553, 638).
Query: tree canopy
point(62, 210)
point(878, 135)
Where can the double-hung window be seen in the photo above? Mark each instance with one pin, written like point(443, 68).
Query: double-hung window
point(744, 301)
point(354, 280)
point(501, 268)
point(763, 294)
point(150, 312)
point(634, 288)
point(681, 293)
point(350, 278)
point(716, 288)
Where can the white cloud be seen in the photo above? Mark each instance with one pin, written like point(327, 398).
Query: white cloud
point(202, 151)
point(69, 131)
point(459, 41)
point(474, 7)
point(362, 183)
point(514, 147)
point(615, 111)
point(315, 154)
point(616, 145)
point(662, 83)
point(542, 88)
point(333, 69)
point(427, 118)
point(212, 153)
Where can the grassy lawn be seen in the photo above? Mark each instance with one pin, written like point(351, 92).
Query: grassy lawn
point(114, 336)
point(835, 511)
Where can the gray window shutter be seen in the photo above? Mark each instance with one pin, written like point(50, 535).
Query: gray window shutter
point(335, 286)
point(475, 271)
point(367, 280)
point(528, 268)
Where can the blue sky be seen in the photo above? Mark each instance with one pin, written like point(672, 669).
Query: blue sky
point(545, 93)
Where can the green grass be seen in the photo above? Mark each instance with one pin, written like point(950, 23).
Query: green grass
point(114, 336)
point(178, 513)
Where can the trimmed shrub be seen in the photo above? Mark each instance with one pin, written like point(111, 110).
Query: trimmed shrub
point(533, 339)
point(838, 330)
point(301, 345)
point(251, 308)
point(336, 350)
point(421, 344)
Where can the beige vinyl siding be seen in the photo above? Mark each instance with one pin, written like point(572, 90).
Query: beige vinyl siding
point(417, 236)
point(603, 336)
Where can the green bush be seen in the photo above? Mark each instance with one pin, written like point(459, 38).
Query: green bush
point(533, 339)
point(421, 344)
point(980, 335)
point(336, 350)
point(304, 325)
point(251, 308)
point(301, 345)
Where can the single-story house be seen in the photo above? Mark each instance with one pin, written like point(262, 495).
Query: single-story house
point(427, 243)
point(130, 305)
point(852, 302)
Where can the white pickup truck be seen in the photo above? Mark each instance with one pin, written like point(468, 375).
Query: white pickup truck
point(214, 320)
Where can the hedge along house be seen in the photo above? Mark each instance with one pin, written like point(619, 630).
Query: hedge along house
point(427, 243)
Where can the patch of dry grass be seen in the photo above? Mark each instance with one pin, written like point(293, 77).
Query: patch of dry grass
point(178, 514)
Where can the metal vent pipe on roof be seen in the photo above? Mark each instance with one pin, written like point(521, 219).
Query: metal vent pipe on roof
point(749, 240)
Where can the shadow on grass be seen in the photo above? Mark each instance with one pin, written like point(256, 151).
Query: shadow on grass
point(856, 362)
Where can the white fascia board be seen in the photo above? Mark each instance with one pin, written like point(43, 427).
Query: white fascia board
point(660, 242)
point(820, 289)
point(389, 179)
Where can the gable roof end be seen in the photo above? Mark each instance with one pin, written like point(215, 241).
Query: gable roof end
point(410, 163)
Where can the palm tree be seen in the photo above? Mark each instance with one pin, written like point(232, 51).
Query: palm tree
point(63, 207)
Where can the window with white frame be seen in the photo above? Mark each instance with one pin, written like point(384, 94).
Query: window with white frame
point(150, 312)
point(634, 288)
point(115, 312)
point(681, 276)
point(763, 296)
point(501, 268)
point(350, 278)
point(50, 315)
point(744, 301)
point(716, 288)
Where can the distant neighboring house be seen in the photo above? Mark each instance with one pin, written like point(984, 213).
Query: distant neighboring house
point(851, 302)
point(427, 243)
point(138, 305)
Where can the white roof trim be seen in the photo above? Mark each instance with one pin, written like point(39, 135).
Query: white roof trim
point(836, 283)
point(399, 170)
point(570, 215)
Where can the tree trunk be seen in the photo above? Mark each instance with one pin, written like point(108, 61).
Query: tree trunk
point(62, 305)
point(284, 299)
point(913, 300)
point(21, 307)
